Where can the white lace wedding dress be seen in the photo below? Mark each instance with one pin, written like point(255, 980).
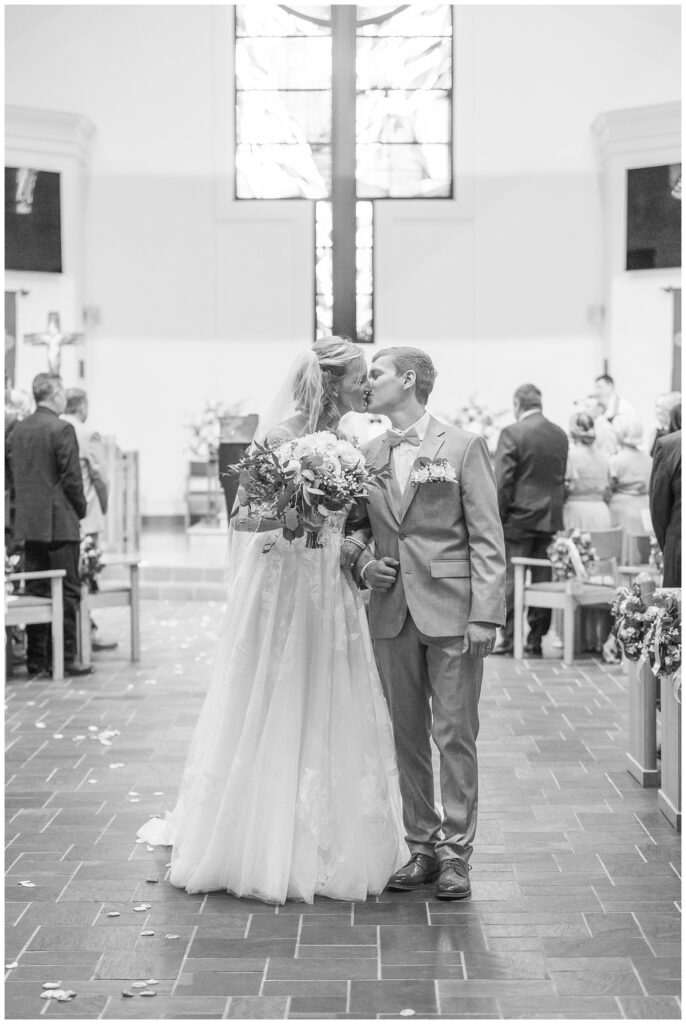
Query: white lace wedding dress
point(291, 786)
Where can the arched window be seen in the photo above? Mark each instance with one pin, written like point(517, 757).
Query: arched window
point(344, 105)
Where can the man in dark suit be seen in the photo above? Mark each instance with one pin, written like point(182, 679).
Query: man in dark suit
point(665, 504)
point(49, 502)
point(530, 463)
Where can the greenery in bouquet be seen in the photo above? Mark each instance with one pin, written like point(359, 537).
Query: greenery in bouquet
point(90, 563)
point(301, 483)
point(476, 416)
point(561, 552)
point(205, 428)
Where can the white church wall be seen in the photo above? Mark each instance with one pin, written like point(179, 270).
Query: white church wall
point(198, 297)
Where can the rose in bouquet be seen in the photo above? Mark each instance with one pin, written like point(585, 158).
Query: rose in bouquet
point(301, 483)
point(571, 552)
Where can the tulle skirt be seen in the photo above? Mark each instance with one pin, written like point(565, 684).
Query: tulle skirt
point(290, 787)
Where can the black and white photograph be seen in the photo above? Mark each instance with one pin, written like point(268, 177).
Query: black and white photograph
point(342, 511)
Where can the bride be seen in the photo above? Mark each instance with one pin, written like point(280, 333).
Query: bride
point(290, 788)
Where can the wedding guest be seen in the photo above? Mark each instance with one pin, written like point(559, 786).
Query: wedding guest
point(630, 472)
point(44, 464)
point(605, 437)
point(664, 404)
point(530, 469)
point(587, 479)
point(95, 486)
point(665, 503)
point(615, 405)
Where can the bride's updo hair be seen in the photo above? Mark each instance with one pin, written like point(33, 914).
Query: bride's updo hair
point(316, 383)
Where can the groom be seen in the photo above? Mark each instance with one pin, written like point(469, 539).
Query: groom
point(437, 581)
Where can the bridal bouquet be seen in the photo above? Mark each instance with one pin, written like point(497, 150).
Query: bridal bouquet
point(301, 482)
point(570, 554)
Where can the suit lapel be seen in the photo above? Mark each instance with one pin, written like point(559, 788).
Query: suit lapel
point(388, 486)
point(429, 448)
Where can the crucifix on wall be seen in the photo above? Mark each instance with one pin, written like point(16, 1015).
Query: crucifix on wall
point(54, 340)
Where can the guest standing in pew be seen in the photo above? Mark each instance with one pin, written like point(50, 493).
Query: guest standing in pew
point(529, 469)
point(665, 500)
point(49, 502)
point(630, 472)
point(95, 486)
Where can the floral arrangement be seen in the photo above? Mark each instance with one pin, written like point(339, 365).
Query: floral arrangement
point(571, 552)
point(205, 428)
point(299, 483)
point(426, 471)
point(476, 416)
point(663, 639)
point(647, 625)
point(11, 566)
point(90, 563)
point(630, 620)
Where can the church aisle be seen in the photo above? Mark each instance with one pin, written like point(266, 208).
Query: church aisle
point(575, 900)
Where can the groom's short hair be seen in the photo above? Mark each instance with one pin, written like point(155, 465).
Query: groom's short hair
point(405, 358)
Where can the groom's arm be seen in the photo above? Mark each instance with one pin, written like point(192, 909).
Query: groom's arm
point(485, 531)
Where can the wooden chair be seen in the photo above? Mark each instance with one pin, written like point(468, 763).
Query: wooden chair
point(201, 491)
point(568, 595)
point(112, 592)
point(24, 609)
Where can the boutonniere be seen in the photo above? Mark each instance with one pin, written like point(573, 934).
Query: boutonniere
point(438, 471)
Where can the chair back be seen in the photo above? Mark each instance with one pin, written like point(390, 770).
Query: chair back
point(639, 548)
point(608, 546)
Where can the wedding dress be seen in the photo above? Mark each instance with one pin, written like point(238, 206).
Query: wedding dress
point(290, 789)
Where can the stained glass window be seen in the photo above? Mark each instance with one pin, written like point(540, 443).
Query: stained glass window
point(399, 126)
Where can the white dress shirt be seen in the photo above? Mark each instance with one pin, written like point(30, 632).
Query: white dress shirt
point(404, 454)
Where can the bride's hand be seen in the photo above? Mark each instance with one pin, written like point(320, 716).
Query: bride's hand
point(350, 552)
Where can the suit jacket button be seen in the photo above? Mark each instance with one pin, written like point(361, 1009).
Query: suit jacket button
point(402, 536)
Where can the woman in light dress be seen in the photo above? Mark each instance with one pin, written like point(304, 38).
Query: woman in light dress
point(630, 468)
point(587, 479)
point(290, 789)
point(588, 482)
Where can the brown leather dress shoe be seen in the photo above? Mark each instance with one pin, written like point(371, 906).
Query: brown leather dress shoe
point(453, 881)
point(419, 870)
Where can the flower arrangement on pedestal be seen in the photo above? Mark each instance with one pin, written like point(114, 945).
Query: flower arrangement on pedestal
point(476, 416)
point(647, 625)
point(205, 431)
point(571, 553)
point(204, 428)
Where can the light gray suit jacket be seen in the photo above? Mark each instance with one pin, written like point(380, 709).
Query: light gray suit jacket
point(447, 537)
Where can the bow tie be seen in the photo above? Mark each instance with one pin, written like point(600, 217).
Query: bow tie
point(395, 437)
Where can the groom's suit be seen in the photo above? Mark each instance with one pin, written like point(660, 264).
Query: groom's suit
point(448, 540)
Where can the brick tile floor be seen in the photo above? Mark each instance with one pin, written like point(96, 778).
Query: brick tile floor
point(575, 907)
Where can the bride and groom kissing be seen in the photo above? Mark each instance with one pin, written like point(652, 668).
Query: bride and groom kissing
point(310, 768)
